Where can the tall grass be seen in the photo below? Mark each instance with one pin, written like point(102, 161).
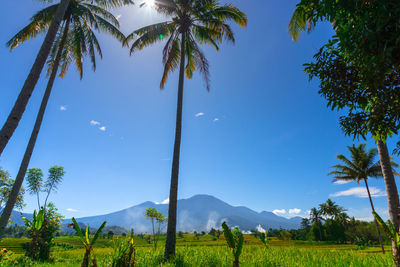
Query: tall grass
point(221, 256)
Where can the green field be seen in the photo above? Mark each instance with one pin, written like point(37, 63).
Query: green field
point(204, 251)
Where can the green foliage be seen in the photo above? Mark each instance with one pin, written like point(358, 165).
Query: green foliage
point(389, 229)
point(87, 242)
point(264, 238)
point(124, 254)
point(235, 240)
point(6, 184)
point(42, 229)
point(155, 217)
point(34, 178)
point(192, 23)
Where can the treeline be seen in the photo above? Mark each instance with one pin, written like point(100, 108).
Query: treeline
point(331, 223)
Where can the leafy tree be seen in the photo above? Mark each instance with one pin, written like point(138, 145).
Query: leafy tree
point(6, 184)
point(34, 178)
point(359, 72)
point(360, 167)
point(74, 40)
point(56, 175)
point(192, 22)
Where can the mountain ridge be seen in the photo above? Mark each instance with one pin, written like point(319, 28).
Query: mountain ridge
point(198, 213)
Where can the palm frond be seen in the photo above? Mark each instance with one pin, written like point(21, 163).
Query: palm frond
point(40, 23)
point(173, 60)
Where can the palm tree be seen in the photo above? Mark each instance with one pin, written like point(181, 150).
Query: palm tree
point(52, 17)
point(192, 22)
point(75, 39)
point(330, 208)
point(19, 107)
point(360, 167)
point(315, 218)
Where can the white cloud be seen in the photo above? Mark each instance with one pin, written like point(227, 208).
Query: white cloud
point(72, 210)
point(360, 192)
point(63, 108)
point(294, 211)
point(199, 114)
point(342, 182)
point(118, 16)
point(165, 201)
point(215, 119)
point(103, 128)
point(279, 212)
point(93, 122)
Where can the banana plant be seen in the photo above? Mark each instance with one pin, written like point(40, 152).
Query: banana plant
point(234, 239)
point(87, 242)
point(36, 223)
point(124, 254)
point(264, 238)
point(389, 229)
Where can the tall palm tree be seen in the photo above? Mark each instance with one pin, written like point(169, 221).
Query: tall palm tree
point(19, 107)
point(316, 218)
point(360, 167)
point(52, 17)
point(192, 22)
point(75, 39)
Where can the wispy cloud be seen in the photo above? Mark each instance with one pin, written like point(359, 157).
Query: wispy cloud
point(215, 119)
point(63, 108)
point(72, 210)
point(342, 182)
point(360, 192)
point(199, 114)
point(294, 211)
point(93, 122)
point(279, 212)
point(103, 128)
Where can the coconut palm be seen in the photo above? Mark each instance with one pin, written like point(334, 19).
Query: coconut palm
point(192, 23)
point(360, 167)
point(316, 218)
point(19, 107)
point(49, 21)
point(75, 39)
point(330, 208)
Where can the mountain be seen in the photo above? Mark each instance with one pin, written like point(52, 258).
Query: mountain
point(198, 213)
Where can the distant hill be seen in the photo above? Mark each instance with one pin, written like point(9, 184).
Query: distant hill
point(198, 213)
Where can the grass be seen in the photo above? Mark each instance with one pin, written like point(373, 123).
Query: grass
point(206, 252)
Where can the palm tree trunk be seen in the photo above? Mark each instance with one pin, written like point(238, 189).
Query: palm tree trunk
point(173, 193)
point(391, 191)
point(22, 101)
point(373, 209)
point(5, 216)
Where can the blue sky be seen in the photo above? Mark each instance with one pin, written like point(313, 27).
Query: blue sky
point(262, 137)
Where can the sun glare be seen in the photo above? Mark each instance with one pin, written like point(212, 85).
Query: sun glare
point(149, 3)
